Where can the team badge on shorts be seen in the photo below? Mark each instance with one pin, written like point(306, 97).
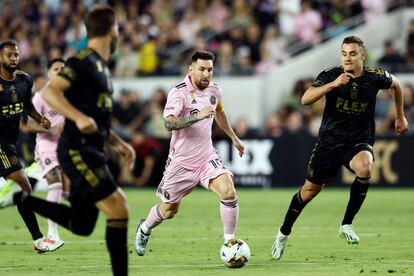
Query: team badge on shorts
point(213, 100)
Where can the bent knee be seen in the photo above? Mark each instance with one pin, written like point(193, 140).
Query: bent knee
point(363, 170)
point(83, 230)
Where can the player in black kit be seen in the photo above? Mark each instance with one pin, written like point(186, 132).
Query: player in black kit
point(346, 135)
point(82, 93)
point(16, 99)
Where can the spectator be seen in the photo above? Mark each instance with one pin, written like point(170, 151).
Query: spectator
point(374, 9)
point(243, 65)
point(410, 45)
point(125, 110)
point(273, 126)
point(225, 59)
point(391, 61)
point(307, 25)
point(244, 130)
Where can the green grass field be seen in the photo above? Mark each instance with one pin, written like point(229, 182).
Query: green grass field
point(189, 244)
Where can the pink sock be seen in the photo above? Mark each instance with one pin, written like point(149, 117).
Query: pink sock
point(54, 195)
point(154, 218)
point(229, 211)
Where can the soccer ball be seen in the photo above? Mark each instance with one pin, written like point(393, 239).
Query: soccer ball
point(235, 253)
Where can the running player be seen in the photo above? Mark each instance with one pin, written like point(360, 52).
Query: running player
point(191, 108)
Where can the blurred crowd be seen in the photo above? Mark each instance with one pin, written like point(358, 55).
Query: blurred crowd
point(156, 36)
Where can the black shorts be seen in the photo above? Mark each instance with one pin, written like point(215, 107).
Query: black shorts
point(9, 162)
point(88, 172)
point(325, 162)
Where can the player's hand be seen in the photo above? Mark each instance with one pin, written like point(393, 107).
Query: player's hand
point(128, 153)
point(343, 79)
point(401, 126)
point(206, 112)
point(56, 130)
point(45, 123)
point(86, 125)
point(239, 146)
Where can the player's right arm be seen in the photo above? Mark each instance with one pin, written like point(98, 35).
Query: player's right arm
point(53, 95)
point(172, 122)
point(314, 93)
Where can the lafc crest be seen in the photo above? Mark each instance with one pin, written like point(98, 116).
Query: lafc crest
point(354, 90)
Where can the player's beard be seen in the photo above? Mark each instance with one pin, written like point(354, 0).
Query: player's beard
point(114, 42)
point(203, 85)
point(350, 71)
point(8, 68)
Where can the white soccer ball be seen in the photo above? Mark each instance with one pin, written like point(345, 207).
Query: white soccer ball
point(235, 253)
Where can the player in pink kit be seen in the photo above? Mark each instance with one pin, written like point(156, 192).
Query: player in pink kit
point(45, 151)
point(189, 113)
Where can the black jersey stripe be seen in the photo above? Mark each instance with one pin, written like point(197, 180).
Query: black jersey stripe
point(181, 85)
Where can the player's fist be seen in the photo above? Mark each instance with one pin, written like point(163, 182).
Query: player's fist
point(206, 112)
point(401, 126)
point(57, 129)
point(343, 79)
point(86, 125)
point(45, 123)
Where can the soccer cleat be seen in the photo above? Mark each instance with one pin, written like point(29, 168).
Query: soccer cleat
point(53, 242)
point(279, 245)
point(141, 239)
point(347, 232)
point(46, 244)
point(33, 171)
point(7, 192)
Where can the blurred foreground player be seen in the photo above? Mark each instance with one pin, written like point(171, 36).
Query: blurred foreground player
point(82, 93)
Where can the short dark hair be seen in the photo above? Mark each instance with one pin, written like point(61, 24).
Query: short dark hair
point(99, 20)
point(51, 62)
point(353, 39)
point(204, 55)
point(8, 42)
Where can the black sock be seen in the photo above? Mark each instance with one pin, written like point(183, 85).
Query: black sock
point(357, 196)
point(295, 208)
point(30, 220)
point(116, 241)
point(57, 212)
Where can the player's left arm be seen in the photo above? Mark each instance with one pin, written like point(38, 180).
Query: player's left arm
point(124, 149)
point(401, 124)
point(223, 122)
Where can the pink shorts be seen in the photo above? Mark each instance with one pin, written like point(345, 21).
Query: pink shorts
point(178, 182)
point(47, 161)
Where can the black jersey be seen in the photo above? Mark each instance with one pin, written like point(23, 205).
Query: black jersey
point(91, 93)
point(15, 96)
point(349, 109)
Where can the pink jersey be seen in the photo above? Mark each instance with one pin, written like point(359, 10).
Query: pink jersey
point(46, 142)
point(191, 146)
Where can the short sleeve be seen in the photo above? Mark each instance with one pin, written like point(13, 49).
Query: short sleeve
point(175, 104)
point(322, 79)
point(37, 103)
point(384, 79)
point(73, 70)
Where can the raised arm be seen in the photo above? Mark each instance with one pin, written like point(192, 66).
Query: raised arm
point(313, 94)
